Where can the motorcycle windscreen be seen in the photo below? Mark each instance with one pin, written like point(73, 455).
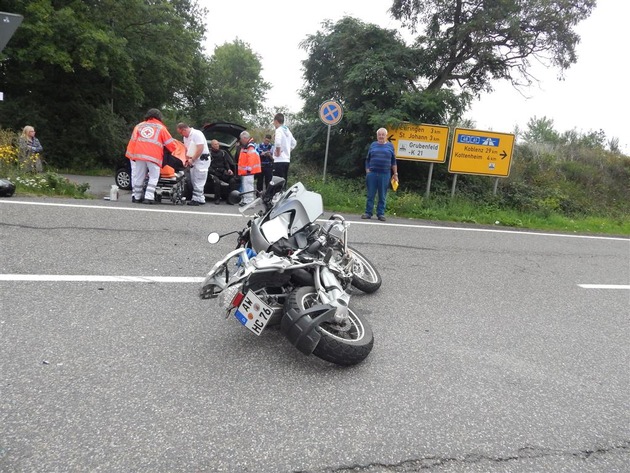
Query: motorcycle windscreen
point(312, 207)
point(306, 207)
point(276, 228)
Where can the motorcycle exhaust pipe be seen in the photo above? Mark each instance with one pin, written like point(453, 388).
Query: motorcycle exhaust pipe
point(341, 312)
point(336, 295)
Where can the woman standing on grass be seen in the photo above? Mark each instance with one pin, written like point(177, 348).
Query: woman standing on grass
point(30, 150)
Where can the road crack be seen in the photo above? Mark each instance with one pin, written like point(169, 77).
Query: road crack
point(428, 463)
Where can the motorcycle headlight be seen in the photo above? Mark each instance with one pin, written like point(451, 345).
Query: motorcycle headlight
point(336, 230)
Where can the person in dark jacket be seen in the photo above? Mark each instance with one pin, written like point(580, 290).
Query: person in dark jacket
point(221, 169)
point(380, 167)
point(30, 150)
point(265, 150)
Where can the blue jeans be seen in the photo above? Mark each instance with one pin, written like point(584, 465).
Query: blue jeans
point(376, 182)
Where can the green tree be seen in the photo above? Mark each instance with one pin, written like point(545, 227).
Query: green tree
point(236, 89)
point(195, 98)
point(473, 42)
point(83, 72)
point(375, 76)
point(463, 47)
point(541, 130)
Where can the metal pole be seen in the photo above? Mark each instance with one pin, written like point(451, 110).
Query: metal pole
point(326, 155)
point(496, 184)
point(454, 184)
point(426, 194)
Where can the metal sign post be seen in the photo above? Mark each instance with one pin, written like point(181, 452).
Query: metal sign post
point(326, 155)
point(330, 113)
point(428, 190)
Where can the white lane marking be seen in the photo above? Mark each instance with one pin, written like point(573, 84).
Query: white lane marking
point(136, 208)
point(492, 230)
point(604, 286)
point(94, 278)
point(142, 208)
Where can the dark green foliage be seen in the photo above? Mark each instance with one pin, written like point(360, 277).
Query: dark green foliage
point(83, 73)
point(462, 48)
point(593, 182)
point(374, 75)
point(227, 87)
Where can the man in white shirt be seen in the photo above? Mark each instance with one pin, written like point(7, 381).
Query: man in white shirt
point(197, 158)
point(284, 144)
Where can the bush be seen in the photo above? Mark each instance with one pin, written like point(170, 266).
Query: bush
point(8, 151)
point(32, 183)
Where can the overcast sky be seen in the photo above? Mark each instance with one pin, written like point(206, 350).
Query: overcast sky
point(591, 97)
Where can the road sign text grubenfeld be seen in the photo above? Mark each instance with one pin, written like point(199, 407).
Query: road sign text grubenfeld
point(420, 142)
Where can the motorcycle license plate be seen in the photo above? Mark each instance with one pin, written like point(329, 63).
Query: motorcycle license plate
point(253, 313)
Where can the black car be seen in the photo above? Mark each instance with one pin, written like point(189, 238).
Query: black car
point(227, 134)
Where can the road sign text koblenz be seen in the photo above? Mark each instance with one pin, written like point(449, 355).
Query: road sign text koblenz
point(486, 153)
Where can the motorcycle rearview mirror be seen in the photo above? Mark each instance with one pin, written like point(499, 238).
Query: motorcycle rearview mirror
point(234, 197)
point(214, 237)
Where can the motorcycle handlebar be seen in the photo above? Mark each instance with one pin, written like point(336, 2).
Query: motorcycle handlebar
point(314, 247)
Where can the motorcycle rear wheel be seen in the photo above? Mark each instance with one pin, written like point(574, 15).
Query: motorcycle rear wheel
point(366, 277)
point(345, 345)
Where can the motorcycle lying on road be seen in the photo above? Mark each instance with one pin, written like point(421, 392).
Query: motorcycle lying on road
point(290, 270)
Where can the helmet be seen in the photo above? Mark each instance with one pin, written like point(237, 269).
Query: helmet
point(7, 188)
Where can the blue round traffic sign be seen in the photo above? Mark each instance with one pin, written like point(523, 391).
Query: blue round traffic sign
point(330, 112)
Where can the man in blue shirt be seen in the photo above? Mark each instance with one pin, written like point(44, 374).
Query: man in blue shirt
point(380, 166)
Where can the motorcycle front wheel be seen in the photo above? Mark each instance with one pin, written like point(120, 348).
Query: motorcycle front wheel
point(365, 277)
point(344, 344)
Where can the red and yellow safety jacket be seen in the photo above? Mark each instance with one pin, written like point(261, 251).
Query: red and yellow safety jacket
point(249, 160)
point(148, 141)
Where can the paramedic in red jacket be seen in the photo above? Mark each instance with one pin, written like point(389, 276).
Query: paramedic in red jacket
point(145, 150)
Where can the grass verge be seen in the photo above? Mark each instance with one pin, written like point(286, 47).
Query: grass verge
point(348, 196)
point(47, 184)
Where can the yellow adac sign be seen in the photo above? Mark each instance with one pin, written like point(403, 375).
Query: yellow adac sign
point(420, 142)
point(488, 153)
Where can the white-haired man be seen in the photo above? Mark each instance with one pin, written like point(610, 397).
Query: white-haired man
point(248, 166)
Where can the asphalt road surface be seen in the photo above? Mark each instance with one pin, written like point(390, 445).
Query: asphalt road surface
point(495, 351)
point(99, 185)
